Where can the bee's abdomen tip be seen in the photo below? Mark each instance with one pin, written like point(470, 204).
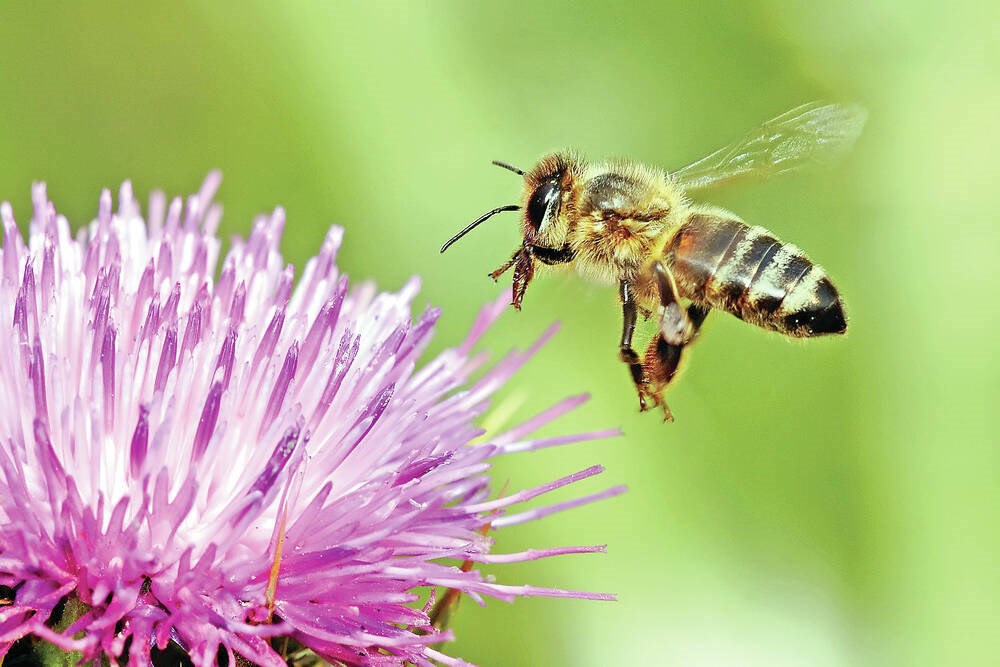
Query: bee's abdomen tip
point(824, 316)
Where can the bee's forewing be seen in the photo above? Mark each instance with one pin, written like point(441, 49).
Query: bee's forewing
point(812, 134)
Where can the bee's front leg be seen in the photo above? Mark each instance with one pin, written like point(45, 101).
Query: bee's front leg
point(524, 270)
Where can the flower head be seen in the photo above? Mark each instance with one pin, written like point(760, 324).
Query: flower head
point(217, 462)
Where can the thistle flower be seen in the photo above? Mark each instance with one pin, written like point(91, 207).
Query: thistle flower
point(216, 463)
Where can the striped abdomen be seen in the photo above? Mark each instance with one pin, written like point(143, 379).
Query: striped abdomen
point(749, 273)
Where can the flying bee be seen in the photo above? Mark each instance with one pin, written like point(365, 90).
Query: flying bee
point(673, 260)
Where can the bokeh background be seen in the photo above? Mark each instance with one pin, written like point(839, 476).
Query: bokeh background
point(832, 502)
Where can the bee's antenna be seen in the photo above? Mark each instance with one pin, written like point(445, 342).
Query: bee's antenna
point(508, 167)
point(475, 223)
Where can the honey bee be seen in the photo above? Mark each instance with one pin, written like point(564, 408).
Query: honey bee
point(628, 224)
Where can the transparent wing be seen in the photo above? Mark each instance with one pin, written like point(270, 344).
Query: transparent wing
point(812, 134)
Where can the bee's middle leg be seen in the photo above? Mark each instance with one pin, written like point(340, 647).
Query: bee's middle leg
point(625, 351)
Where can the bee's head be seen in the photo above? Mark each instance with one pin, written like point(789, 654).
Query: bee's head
point(543, 202)
point(543, 228)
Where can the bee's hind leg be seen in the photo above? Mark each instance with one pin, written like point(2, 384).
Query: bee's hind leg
point(663, 358)
point(678, 328)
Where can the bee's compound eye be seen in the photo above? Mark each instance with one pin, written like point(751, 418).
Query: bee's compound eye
point(541, 199)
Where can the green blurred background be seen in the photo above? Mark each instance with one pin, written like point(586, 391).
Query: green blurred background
point(831, 502)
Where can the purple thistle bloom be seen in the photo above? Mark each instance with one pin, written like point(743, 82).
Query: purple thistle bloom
point(169, 438)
